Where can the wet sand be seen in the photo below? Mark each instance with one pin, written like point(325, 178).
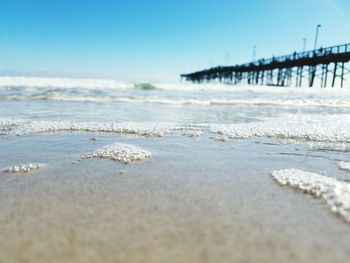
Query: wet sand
point(195, 200)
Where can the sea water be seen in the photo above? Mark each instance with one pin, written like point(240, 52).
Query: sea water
point(229, 145)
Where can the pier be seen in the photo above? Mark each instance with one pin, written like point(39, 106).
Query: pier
point(324, 66)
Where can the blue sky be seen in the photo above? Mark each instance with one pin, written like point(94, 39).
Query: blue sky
point(157, 40)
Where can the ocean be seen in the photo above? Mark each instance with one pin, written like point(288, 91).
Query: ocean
point(102, 170)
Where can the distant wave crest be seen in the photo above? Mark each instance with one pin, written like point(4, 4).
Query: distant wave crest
point(58, 96)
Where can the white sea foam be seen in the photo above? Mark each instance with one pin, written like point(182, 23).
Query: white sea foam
point(344, 165)
point(32, 127)
point(120, 152)
point(336, 193)
point(24, 168)
point(221, 138)
point(283, 102)
point(118, 99)
point(310, 128)
point(324, 146)
point(193, 133)
point(6, 123)
point(331, 128)
point(40, 82)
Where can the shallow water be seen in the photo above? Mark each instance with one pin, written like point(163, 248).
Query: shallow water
point(194, 200)
point(55, 99)
point(203, 194)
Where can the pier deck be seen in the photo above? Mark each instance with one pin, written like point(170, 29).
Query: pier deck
point(326, 64)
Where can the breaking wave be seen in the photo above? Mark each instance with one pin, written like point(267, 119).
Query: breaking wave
point(39, 82)
point(112, 91)
point(56, 96)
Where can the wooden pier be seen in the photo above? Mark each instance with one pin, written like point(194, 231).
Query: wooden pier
point(324, 66)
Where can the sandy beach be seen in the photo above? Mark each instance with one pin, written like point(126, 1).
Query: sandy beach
point(195, 200)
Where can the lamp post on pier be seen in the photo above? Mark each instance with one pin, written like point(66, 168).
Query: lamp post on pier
point(316, 36)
